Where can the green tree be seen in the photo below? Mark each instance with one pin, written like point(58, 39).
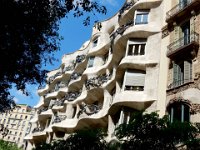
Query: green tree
point(148, 131)
point(29, 36)
point(86, 139)
point(4, 145)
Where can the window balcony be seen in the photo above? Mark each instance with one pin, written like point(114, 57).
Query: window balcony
point(182, 10)
point(189, 42)
point(178, 83)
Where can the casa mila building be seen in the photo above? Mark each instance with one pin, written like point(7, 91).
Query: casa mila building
point(145, 57)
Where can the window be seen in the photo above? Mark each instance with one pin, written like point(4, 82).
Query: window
point(95, 42)
point(91, 61)
point(21, 117)
point(24, 122)
point(136, 47)
point(105, 57)
point(179, 112)
point(183, 3)
point(134, 80)
point(141, 17)
point(182, 73)
point(185, 31)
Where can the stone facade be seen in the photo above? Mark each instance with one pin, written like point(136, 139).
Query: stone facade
point(126, 66)
point(183, 76)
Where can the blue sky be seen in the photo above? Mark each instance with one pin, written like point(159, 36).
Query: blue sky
point(75, 34)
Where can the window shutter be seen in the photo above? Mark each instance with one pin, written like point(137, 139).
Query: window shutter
point(175, 74)
point(187, 71)
point(135, 79)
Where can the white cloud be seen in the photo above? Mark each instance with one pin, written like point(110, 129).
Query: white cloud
point(16, 100)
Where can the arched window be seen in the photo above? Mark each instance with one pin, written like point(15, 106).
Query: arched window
point(179, 111)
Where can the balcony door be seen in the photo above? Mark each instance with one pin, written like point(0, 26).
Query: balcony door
point(186, 32)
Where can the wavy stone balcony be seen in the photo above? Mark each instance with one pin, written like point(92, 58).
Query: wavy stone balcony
point(182, 10)
point(71, 67)
point(88, 114)
point(38, 134)
point(184, 44)
point(58, 104)
point(138, 100)
point(128, 10)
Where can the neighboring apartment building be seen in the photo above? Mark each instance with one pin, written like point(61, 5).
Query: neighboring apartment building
point(183, 91)
point(138, 60)
point(16, 122)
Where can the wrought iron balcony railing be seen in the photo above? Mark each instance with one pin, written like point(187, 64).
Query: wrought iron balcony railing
point(42, 110)
point(186, 40)
point(38, 129)
point(89, 109)
point(59, 118)
point(41, 87)
point(178, 8)
point(178, 83)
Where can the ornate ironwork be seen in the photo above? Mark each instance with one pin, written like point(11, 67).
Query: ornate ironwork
point(178, 8)
point(70, 67)
point(62, 84)
point(41, 87)
point(126, 6)
point(80, 58)
point(42, 110)
point(52, 103)
point(97, 81)
point(37, 129)
point(51, 79)
point(59, 102)
point(59, 118)
point(89, 109)
point(71, 96)
point(75, 76)
point(57, 74)
point(173, 47)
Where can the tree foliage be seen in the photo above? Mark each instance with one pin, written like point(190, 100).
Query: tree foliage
point(85, 139)
point(144, 131)
point(148, 131)
point(4, 145)
point(29, 36)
